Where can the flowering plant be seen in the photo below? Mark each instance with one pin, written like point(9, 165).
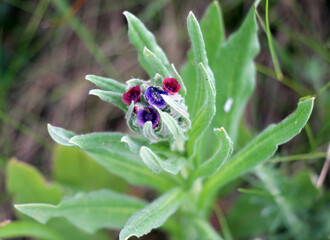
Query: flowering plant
point(187, 127)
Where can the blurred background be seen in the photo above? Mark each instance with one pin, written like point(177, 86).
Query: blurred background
point(47, 48)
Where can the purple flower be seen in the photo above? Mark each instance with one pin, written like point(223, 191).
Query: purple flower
point(171, 85)
point(154, 98)
point(133, 94)
point(148, 114)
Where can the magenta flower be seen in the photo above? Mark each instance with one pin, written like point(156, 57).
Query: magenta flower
point(148, 114)
point(133, 94)
point(171, 85)
point(154, 98)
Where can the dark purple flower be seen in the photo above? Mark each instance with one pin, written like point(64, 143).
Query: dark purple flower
point(133, 94)
point(171, 85)
point(148, 114)
point(154, 98)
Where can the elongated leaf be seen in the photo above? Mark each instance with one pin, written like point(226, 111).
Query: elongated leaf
point(155, 63)
point(205, 231)
point(108, 140)
point(219, 158)
point(150, 159)
point(235, 74)
point(141, 37)
point(181, 110)
point(258, 150)
point(60, 135)
point(213, 39)
point(88, 211)
point(111, 97)
point(205, 115)
point(126, 165)
point(107, 84)
point(134, 144)
point(178, 137)
point(198, 47)
point(154, 215)
point(131, 169)
point(29, 229)
point(156, 164)
point(20, 175)
point(149, 133)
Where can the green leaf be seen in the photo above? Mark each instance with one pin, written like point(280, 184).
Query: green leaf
point(198, 47)
point(154, 215)
point(121, 162)
point(111, 97)
point(88, 211)
point(107, 84)
point(134, 144)
point(74, 169)
point(60, 135)
point(157, 165)
point(205, 231)
point(107, 140)
point(155, 63)
point(151, 159)
point(258, 150)
point(28, 229)
point(212, 19)
point(234, 73)
point(141, 37)
point(28, 185)
point(205, 114)
point(213, 40)
point(212, 165)
point(149, 132)
point(178, 108)
point(178, 137)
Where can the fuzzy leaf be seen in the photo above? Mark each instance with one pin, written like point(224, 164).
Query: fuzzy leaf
point(122, 163)
point(149, 132)
point(154, 215)
point(178, 109)
point(213, 40)
point(111, 97)
point(109, 140)
point(205, 114)
point(258, 150)
point(157, 165)
point(178, 137)
point(141, 37)
point(155, 63)
point(134, 144)
point(60, 135)
point(235, 74)
point(219, 158)
point(88, 211)
point(107, 84)
point(150, 159)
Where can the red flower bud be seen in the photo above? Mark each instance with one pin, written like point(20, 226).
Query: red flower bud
point(133, 94)
point(171, 85)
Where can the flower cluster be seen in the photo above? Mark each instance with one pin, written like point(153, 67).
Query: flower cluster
point(147, 102)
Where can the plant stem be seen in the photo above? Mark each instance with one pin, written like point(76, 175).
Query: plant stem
point(271, 47)
point(304, 156)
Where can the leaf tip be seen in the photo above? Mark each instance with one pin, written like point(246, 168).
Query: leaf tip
point(92, 92)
